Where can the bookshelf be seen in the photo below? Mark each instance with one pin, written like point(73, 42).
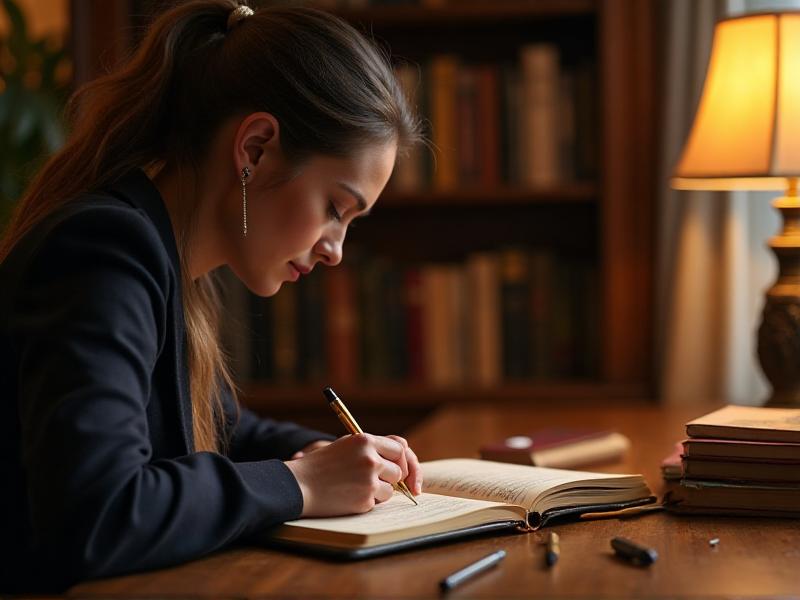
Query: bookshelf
point(601, 217)
point(604, 218)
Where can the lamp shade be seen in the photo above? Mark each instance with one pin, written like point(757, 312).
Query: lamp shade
point(746, 133)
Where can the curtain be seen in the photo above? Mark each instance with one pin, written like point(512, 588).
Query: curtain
point(713, 263)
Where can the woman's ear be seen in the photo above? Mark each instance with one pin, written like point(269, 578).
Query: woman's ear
point(256, 145)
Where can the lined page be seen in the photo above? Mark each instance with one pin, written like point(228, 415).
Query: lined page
point(514, 484)
point(396, 514)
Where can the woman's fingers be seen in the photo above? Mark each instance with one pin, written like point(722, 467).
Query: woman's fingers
point(383, 491)
point(414, 479)
point(403, 459)
point(388, 448)
point(390, 472)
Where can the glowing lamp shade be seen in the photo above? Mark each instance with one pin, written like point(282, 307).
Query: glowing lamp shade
point(746, 133)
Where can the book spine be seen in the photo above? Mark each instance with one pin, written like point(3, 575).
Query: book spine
point(515, 291)
point(467, 125)
point(540, 76)
point(541, 310)
point(456, 324)
point(586, 119)
point(563, 334)
point(513, 150)
point(443, 71)
point(374, 347)
point(395, 324)
point(488, 125)
point(566, 126)
point(435, 324)
point(483, 291)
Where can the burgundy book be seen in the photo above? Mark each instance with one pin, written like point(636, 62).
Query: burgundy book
point(558, 448)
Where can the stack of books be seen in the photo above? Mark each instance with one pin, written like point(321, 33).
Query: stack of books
point(741, 460)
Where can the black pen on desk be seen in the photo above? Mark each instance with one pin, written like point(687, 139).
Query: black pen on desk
point(476, 568)
point(552, 549)
point(350, 424)
point(633, 552)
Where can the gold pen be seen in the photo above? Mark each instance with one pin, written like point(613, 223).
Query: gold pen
point(350, 424)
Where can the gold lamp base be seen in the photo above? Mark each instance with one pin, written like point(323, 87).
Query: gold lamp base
point(779, 332)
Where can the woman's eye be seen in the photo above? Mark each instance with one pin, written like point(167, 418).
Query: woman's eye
point(333, 213)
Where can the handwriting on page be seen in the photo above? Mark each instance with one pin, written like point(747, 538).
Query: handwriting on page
point(397, 513)
point(498, 489)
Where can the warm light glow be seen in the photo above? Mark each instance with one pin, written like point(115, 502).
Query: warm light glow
point(787, 143)
point(746, 134)
point(729, 183)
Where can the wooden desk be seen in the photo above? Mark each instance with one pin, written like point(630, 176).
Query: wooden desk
point(755, 557)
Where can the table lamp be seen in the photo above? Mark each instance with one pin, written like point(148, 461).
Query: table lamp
point(746, 136)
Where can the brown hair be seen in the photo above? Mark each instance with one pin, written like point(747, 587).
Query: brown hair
point(331, 90)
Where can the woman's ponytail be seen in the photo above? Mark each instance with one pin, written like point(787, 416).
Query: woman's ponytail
point(200, 63)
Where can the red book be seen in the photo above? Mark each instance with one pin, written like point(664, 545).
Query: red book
point(671, 467)
point(489, 124)
point(558, 448)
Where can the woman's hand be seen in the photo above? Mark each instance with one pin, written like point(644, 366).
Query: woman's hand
point(412, 473)
point(353, 473)
point(310, 448)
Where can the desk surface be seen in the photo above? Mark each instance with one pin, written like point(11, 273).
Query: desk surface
point(755, 557)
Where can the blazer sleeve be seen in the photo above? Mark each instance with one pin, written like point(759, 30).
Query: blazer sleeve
point(89, 322)
point(254, 438)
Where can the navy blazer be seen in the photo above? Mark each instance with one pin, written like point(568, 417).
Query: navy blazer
point(96, 449)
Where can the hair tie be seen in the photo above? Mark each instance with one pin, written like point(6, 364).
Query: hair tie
point(237, 14)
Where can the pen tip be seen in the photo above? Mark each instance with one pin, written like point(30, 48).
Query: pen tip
point(330, 394)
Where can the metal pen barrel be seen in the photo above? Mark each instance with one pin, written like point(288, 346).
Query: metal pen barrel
point(472, 570)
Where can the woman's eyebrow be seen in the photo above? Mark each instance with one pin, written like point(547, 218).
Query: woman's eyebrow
point(362, 204)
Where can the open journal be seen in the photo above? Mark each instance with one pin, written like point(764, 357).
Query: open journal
point(464, 497)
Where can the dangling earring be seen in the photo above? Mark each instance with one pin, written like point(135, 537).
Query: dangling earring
point(245, 175)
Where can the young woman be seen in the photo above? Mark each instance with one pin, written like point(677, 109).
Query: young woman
point(231, 137)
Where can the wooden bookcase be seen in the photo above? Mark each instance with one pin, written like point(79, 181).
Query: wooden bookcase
point(608, 218)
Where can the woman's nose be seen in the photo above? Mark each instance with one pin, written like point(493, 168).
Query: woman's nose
point(330, 249)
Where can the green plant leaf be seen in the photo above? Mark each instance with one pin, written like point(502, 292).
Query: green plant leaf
point(30, 119)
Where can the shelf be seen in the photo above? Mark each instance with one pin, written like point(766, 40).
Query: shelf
point(388, 396)
point(468, 12)
point(579, 192)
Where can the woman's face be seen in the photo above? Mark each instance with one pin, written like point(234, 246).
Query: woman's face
point(302, 221)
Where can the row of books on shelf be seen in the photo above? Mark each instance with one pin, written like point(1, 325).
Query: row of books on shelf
point(530, 124)
point(509, 315)
point(738, 460)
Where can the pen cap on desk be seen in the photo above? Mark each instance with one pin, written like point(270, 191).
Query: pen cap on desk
point(633, 552)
